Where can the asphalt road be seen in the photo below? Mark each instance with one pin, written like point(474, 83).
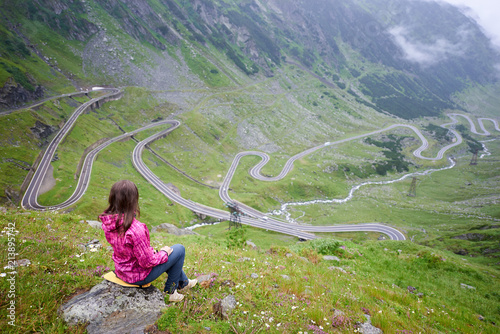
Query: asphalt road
point(252, 217)
point(29, 200)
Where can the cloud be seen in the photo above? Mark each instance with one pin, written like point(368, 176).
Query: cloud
point(427, 54)
point(485, 13)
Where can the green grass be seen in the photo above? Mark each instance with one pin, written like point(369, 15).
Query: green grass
point(378, 274)
point(205, 70)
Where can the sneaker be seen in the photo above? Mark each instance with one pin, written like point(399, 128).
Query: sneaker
point(192, 283)
point(175, 297)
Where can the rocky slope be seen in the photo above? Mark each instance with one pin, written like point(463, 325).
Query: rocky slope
point(404, 57)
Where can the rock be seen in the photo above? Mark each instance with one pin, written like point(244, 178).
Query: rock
point(286, 277)
point(337, 313)
point(487, 227)
point(254, 275)
point(111, 308)
point(465, 286)
point(471, 236)
point(330, 258)
point(204, 278)
point(288, 254)
point(91, 246)
point(92, 223)
point(381, 237)
point(243, 259)
point(18, 263)
point(223, 308)
point(42, 130)
point(491, 251)
point(461, 252)
point(14, 94)
point(171, 229)
point(368, 328)
point(251, 244)
point(338, 268)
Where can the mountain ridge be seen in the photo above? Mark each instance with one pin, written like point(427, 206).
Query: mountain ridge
point(418, 53)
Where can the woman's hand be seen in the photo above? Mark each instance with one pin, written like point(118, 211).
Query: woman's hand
point(167, 249)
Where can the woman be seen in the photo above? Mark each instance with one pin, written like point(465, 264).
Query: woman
point(136, 262)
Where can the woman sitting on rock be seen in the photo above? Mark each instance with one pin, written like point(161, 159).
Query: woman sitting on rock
point(136, 262)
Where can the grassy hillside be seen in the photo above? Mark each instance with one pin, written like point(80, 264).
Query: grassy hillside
point(403, 286)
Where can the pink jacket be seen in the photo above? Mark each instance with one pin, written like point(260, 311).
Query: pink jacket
point(133, 256)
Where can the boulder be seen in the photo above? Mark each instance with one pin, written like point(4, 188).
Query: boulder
point(111, 308)
point(338, 268)
point(223, 308)
point(251, 244)
point(330, 258)
point(368, 328)
point(91, 246)
point(171, 229)
point(92, 223)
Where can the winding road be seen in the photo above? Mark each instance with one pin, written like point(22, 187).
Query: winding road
point(252, 216)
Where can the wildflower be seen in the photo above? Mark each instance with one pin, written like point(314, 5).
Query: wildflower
point(3, 274)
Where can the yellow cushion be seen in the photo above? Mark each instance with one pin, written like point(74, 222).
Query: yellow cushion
point(111, 276)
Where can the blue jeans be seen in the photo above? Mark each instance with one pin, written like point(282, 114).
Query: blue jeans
point(177, 279)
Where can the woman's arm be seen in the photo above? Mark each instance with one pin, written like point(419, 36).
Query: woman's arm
point(143, 252)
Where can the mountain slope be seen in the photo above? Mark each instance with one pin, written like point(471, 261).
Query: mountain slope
point(407, 58)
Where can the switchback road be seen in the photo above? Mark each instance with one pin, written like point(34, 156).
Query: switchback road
point(253, 217)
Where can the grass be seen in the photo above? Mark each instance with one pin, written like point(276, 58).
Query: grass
point(377, 280)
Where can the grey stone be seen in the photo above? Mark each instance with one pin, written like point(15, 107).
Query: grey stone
point(330, 258)
point(465, 286)
point(111, 308)
point(251, 244)
point(228, 304)
point(19, 263)
point(338, 268)
point(94, 244)
point(243, 259)
point(203, 278)
point(286, 277)
point(93, 223)
point(368, 328)
point(171, 229)
point(337, 313)
point(288, 254)
point(254, 275)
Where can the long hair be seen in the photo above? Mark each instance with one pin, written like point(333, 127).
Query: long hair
point(124, 201)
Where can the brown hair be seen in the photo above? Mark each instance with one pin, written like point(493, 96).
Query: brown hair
point(124, 201)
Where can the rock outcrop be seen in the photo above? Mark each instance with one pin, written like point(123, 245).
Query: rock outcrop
point(42, 130)
point(110, 308)
point(171, 229)
point(12, 94)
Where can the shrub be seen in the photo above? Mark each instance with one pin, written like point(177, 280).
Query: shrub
point(236, 237)
point(325, 246)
